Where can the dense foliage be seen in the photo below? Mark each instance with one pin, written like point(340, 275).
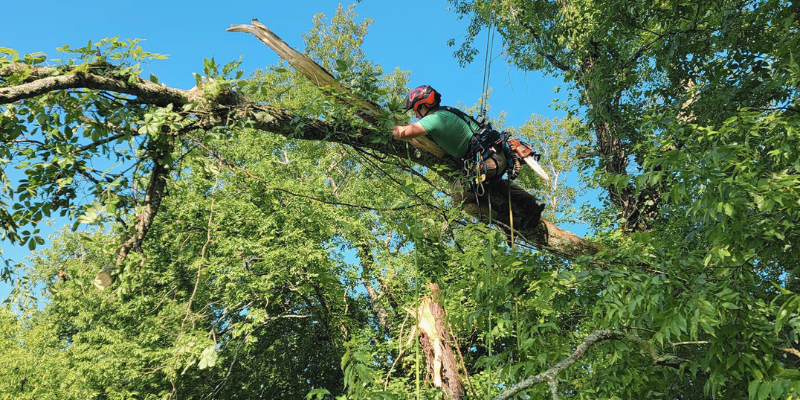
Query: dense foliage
point(279, 267)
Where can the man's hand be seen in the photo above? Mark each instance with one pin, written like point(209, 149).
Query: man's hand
point(405, 132)
point(397, 132)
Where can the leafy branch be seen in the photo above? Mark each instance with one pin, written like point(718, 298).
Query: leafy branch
point(598, 336)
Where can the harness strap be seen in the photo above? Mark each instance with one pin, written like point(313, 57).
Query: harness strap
point(464, 117)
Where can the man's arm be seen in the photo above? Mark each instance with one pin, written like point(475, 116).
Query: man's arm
point(410, 131)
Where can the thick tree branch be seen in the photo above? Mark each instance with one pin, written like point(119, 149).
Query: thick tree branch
point(147, 91)
point(368, 111)
point(33, 71)
point(156, 189)
point(229, 108)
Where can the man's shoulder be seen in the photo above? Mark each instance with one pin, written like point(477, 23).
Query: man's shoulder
point(436, 117)
point(445, 113)
point(446, 110)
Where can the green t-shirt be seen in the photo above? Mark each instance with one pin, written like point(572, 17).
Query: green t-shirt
point(449, 131)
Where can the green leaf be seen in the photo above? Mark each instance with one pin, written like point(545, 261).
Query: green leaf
point(763, 390)
point(363, 373)
point(318, 394)
point(730, 306)
point(728, 209)
point(793, 374)
point(752, 389)
point(208, 358)
point(777, 390)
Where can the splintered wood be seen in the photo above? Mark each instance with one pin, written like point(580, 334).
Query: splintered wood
point(432, 341)
point(435, 342)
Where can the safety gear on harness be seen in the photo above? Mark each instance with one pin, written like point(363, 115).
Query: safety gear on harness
point(423, 95)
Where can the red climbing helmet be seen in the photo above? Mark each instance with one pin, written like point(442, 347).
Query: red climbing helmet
point(423, 95)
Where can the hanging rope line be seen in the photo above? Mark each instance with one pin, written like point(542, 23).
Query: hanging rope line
point(416, 290)
point(487, 67)
point(510, 217)
point(487, 71)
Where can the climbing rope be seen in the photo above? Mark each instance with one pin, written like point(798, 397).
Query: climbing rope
point(487, 68)
point(510, 216)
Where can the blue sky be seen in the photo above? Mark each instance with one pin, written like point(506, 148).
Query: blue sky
point(409, 34)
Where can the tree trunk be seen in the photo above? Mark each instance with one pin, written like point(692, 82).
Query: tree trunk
point(367, 273)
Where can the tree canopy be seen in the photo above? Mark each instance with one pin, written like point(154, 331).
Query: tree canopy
point(261, 235)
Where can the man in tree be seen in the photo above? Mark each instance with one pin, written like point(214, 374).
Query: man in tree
point(453, 130)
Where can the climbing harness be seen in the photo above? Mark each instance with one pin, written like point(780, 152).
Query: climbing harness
point(484, 144)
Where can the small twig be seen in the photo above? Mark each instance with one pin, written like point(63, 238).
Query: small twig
point(695, 342)
point(288, 316)
point(399, 353)
point(655, 271)
point(461, 357)
point(202, 258)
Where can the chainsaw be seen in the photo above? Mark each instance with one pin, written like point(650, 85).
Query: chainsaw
point(527, 154)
